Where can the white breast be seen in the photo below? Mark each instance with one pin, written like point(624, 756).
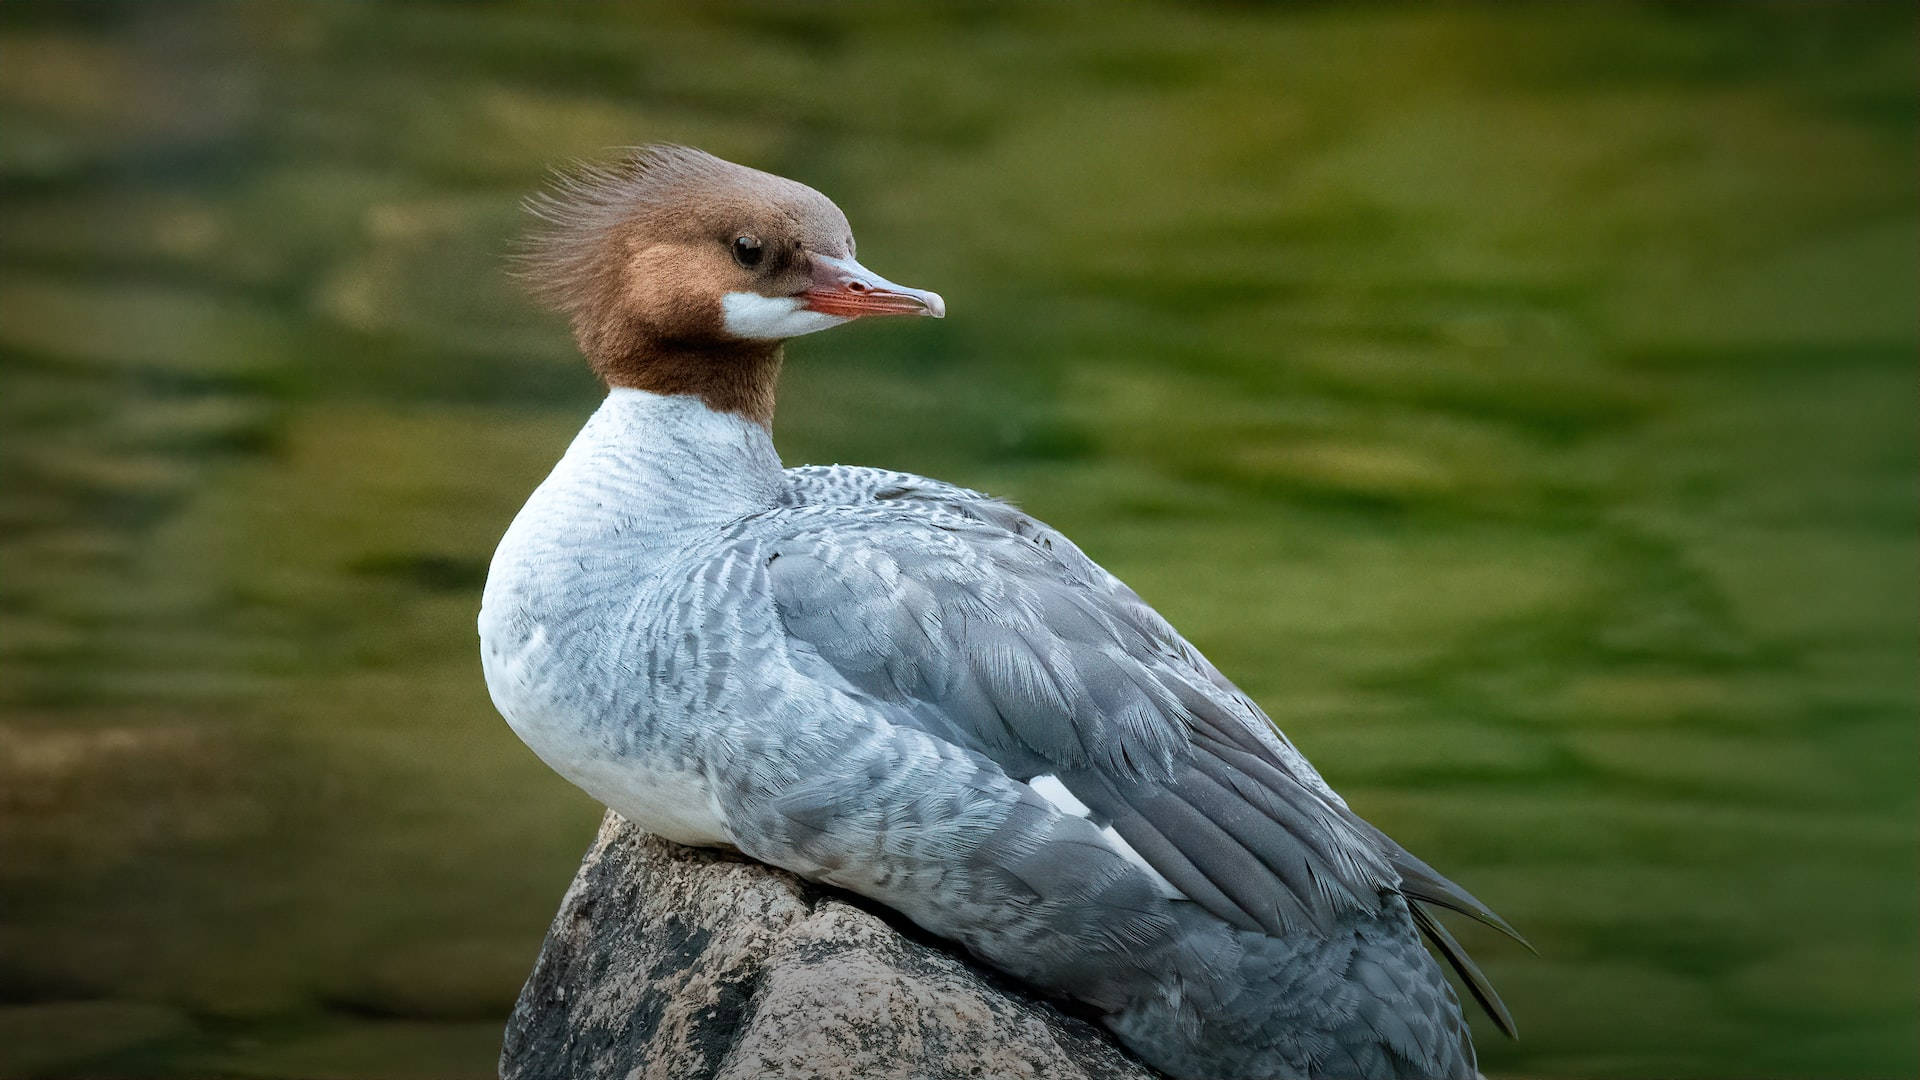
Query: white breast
point(674, 802)
point(557, 632)
point(678, 805)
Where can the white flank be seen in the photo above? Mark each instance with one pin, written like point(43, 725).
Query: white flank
point(1055, 792)
point(770, 318)
point(1051, 789)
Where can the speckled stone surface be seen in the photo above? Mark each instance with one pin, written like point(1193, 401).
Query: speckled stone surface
point(675, 963)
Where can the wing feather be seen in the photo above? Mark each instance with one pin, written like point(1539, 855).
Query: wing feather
point(987, 628)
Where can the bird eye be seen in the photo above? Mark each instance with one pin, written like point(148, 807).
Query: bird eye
point(747, 251)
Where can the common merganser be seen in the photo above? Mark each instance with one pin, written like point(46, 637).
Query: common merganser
point(914, 691)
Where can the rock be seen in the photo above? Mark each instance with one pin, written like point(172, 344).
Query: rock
point(681, 963)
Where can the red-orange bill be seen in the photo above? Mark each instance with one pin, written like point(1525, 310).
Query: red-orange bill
point(845, 288)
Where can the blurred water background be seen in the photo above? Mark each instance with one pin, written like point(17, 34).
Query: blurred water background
point(1518, 400)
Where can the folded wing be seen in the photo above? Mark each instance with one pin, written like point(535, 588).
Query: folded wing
point(971, 620)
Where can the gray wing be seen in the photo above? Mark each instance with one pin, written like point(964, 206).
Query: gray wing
point(989, 629)
point(1004, 644)
point(845, 485)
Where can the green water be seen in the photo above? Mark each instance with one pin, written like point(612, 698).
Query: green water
point(1519, 401)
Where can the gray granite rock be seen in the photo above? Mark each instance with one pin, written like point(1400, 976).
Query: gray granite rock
point(674, 963)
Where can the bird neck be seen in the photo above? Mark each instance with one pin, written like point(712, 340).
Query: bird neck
point(648, 463)
point(738, 378)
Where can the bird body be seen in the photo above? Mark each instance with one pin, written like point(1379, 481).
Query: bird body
point(921, 694)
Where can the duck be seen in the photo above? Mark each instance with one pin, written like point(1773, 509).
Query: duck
point(914, 691)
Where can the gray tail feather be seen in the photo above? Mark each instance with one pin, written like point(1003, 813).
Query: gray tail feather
point(1418, 881)
point(1469, 972)
point(1421, 882)
point(1423, 885)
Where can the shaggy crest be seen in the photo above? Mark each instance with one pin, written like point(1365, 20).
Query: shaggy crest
point(587, 208)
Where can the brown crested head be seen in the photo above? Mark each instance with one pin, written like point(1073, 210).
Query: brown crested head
point(683, 273)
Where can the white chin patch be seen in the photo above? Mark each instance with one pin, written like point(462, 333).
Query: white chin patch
point(770, 318)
